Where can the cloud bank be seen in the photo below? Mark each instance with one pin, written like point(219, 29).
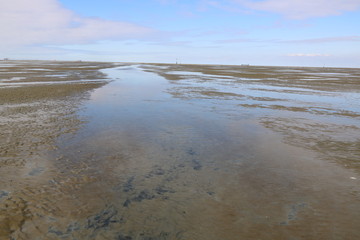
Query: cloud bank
point(24, 22)
point(327, 40)
point(308, 55)
point(302, 9)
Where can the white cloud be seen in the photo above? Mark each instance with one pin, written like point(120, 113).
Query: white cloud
point(308, 55)
point(327, 40)
point(301, 9)
point(25, 22)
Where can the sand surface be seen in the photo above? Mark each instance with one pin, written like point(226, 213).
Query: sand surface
point(155, 151)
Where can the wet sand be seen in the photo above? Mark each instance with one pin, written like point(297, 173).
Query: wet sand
point(178, 152)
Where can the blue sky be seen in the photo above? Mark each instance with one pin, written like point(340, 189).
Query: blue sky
point(256, 32)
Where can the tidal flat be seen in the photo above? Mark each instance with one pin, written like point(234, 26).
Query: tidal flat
point(125, 151)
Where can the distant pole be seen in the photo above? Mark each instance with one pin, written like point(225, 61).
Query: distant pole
point(176, 62)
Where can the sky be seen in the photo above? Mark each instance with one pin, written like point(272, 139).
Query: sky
point(312, 33)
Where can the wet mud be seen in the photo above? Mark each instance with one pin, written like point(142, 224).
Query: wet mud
point(179, 152)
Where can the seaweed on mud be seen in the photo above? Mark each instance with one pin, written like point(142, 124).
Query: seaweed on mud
point(103, 219)
point(72, 227)
point(144, 195)
point(55, 231)
point(128, 186)
point(127, 203)
point(181, 165)
point(148, 195)
point(191, 152)
point(293, 212)
point(158, 171)
point(162, 190)
point(123, 237)
point(196, 165)
point(161, 236)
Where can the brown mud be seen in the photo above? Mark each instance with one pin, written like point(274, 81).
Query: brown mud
point(209, 152)
point(32, 117)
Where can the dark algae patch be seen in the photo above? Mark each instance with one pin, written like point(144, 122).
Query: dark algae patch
point(293, 212)
point(103, 219)
point(128, 186)
point(92, 150)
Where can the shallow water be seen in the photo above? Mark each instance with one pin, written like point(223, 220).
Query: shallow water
point(210, 155)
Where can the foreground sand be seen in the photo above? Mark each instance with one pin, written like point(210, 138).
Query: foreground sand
point(39, 101)
point(178, 152)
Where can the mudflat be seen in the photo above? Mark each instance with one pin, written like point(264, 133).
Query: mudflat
point(92, 150)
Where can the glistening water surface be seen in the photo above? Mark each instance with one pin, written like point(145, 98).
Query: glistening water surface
point(199, 152)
